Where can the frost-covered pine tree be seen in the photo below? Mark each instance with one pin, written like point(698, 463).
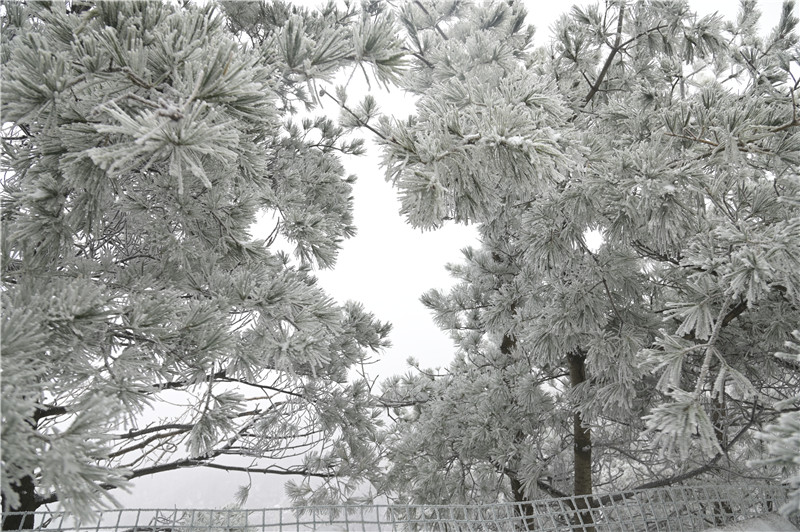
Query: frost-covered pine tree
point(144, 329)
point(676, 139)
point(484, 427)
point(783, 435)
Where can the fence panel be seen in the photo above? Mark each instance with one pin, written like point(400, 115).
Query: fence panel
point(671, 509)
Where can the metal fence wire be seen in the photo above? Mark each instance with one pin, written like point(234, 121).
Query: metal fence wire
point(676, 508)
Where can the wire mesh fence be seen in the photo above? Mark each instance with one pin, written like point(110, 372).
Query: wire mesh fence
point(676, 508)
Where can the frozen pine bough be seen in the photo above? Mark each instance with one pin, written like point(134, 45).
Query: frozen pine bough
point(765, 523)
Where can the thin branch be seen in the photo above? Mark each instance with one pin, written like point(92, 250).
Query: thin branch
point(174, 426)
point(552, 491)
point(693, 139)
point(709, 352)
point(272, 470)
point(642, 34)
point(737, 310)
point(261, 386)
point(358, 119)
point(419, 56)
point(711, 464)
point(435, 24)
point(169, 426)
point(399, 404)
point(136, 79)
point(609, 59)
point(653, 254)
point(49, 411)
point(147, 442)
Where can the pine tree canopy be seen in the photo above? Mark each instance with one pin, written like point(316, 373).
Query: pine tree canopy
point(144, 329)
point(635, 183)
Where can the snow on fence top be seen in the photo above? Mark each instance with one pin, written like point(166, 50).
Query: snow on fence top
point(677, 508)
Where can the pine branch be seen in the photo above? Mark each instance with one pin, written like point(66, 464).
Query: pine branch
point(131, 434)
point(642, 34)
point(419, 56)
point(617, 46)
point(272, 470)
point(711, 464)
point(736, 311)
point(358, 119)
point(204, 462)
point(653, 254)
point(148, 441)
point(541, 484)
point(435, 24)
point(261, 386)
point(399, 404)
point(49, 411)
point(177, 426)
point(136, 79)
point(552, 491)
point(190, 462)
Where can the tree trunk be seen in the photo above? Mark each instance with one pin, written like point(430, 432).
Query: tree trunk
point(26, 491)
point(525, 511)
point(523, 508)
point(723, 513)
point(582, 435)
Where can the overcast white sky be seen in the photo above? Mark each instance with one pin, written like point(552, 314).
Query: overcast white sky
point(387, 266)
